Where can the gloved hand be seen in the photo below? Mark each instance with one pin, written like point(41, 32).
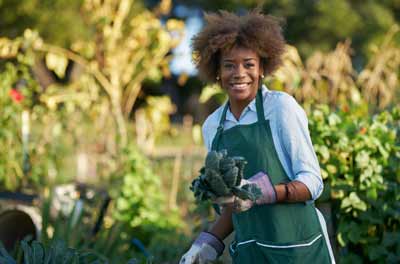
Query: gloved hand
point(224, 200)
point(263, 182)
point(205, 248)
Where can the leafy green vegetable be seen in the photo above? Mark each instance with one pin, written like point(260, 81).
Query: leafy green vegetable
point(221, 176)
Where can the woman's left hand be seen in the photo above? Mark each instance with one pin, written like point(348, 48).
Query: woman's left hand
point(268, 196)
point(240, 205)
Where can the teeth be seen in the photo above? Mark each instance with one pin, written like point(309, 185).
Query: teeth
point(239, 85)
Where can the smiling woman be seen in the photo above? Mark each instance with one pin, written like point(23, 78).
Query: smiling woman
point(270, 130)
point(240, 73)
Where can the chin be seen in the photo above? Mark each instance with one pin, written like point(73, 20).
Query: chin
point(242, 95)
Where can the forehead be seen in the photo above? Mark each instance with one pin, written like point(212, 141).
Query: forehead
point(239, 53)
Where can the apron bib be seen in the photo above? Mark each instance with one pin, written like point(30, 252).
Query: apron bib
point(277, 233)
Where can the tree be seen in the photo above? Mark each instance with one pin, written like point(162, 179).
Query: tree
point(320, 25)
point(57, 21)
point(129, 44)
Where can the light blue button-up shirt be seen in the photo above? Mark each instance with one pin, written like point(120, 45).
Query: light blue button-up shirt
point(289, 127)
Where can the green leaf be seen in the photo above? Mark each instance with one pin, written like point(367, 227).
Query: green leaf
point(57, 63)
point(334, 119)
point(340, 239)
point(376, 252)
point(324, 152)
point(37, 252)
point(4, 256)
point(27, 252)
point(354, 201)
point(355, 234)
point(390, 239)
point(372, 193)
point(209, 91)
point(362, 159)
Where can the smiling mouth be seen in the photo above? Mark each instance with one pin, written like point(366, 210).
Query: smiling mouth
point(240, 86)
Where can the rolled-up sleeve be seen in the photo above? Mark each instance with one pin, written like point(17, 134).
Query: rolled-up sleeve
point(209, 128)
point(206, 136)
point(294, 138)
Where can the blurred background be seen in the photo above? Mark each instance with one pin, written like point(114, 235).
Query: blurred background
point(101, 112)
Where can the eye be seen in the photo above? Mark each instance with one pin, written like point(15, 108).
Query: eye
point(250, 65)
point(228, 65)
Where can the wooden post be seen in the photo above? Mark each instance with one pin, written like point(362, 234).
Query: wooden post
point(175, 180)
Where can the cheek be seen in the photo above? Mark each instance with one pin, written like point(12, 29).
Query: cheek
point(255, 77)
point(225, 78)
point(256, 74)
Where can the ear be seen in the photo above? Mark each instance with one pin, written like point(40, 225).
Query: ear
point(217, 76)
point(261, 67)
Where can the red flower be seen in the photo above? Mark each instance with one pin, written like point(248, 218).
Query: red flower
point(16, 95)
point(363, 130)
point(346, 108)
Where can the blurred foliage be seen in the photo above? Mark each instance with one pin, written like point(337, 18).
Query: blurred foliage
point(74, 230)
point(140, 201)
point(79, 127)
point(329, 78)
point(310, 25)
point(152, 121)
point(320, 25)
point(61, 120)
point(37, 253)
point(129, 45)
point(212, 91)
point(108, 79)
point(12, 172)
point(53, 19)
point(360, 163)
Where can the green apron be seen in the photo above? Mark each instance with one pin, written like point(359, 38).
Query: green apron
point(277, 233)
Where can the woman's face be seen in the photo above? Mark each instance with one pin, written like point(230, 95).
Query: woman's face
point(240, 72)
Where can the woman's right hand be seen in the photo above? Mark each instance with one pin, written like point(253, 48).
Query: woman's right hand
point(199, 254)
point(207, 247)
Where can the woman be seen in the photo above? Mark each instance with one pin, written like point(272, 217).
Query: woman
point(270, 130)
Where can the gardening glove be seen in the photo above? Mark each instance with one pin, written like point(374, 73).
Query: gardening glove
point(224, 200)
point(268, 196)
point(205, 248)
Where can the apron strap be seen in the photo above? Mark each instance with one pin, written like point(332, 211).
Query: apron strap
point(223, 117)
point(260, 117)
point(220, 129)
point(259, 106)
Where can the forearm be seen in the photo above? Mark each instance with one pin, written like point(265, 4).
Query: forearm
point(295, 191)
point(292, 192)
point(223, 226)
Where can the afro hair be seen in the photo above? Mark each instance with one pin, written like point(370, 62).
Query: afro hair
point(224, 30)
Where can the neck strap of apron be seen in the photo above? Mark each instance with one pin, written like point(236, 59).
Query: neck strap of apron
point(260, 106)
point(260, 116)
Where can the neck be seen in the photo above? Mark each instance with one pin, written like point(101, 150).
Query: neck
point(238, 107)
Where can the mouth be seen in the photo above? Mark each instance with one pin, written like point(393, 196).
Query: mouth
point(239, 86)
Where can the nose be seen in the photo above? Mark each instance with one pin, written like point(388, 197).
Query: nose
point(239, 72)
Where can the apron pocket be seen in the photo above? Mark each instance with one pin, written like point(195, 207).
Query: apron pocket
point(313, 250)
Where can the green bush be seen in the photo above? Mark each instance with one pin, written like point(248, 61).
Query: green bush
point(17, 93)
point(35, 252)
point(57, 252)
point(360, 162)
point(140, 201)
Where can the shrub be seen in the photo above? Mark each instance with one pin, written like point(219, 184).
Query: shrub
point(140, 200)
point(360, 161)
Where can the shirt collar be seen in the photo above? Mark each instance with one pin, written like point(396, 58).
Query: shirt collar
point(251, 106)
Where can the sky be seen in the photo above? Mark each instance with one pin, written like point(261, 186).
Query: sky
point(182, 55)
